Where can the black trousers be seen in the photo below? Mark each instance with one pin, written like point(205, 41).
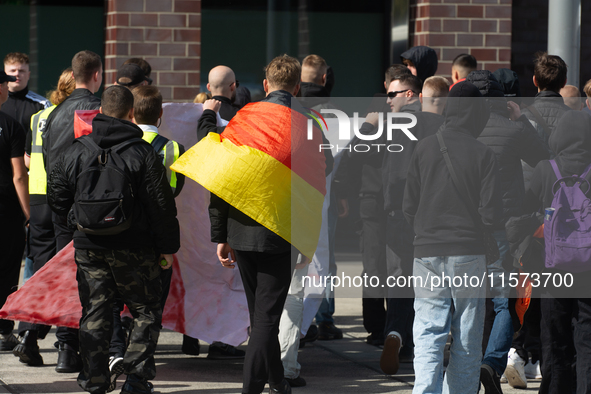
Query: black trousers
point(560, 341)
point(12, 243)
point(49, 234)
point(373, 249)
point(41, 249)
point(266, 278)
point(399, 259)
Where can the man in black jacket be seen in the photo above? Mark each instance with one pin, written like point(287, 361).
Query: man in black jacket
point(57, 137)
point(512, 138)
point(399, 235)
point(125, 264)
point(448, 242)
point(22, 103)
point(265, 259)
point(548, 105)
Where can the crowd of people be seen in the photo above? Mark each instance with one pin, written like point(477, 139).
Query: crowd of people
point(467, 197)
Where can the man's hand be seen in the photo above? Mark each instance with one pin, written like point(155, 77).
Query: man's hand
point(165, 258)
point(343, 208)
point(212, 104)
point(514, 110)
point(305, 261)
point(373, 118)
point(224, 250)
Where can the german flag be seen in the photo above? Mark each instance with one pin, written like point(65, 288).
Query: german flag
point(264, 165)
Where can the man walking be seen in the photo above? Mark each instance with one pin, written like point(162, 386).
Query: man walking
point(126, 263)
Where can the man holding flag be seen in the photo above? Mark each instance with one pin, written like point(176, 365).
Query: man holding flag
point(267, 178)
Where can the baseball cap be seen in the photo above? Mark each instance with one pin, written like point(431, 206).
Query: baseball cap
point(130, 75)
point(6, 78)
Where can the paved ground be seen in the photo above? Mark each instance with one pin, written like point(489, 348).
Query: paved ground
point(343, 366)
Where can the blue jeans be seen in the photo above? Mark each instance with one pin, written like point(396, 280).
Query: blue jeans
point(326, 309)
point(451, 307)
point(28, 269)
point(501, 334)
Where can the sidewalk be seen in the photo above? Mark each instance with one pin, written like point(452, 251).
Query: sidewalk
point(345, 366)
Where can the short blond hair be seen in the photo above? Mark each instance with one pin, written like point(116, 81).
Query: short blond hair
point(439, 86)
point(16, 57)
point(313, 69)
point(283, 72)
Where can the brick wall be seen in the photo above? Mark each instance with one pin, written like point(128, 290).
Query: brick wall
point(166, 33)
point(451, 27)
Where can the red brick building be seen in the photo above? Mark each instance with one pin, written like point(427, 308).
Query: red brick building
point(166, 33)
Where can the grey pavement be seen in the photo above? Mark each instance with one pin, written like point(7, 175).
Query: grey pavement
point(345, 366)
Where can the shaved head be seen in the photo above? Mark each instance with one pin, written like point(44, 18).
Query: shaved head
point(222, 82)
point(572, 97)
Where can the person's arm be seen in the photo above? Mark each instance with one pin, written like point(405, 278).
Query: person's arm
point(531, 148)
point(59, 195)
point(490, 200)
point(412, 190)
point(218, 216)
point(207, 123)
point(27, 160)
point(20, 178)
point(534, 195)
point(155, 195)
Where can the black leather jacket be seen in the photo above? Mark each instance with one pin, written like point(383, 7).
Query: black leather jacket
point(154, 220)
point(59, 132)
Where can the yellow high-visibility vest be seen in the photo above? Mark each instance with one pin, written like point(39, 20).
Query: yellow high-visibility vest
point(170, 153)
point(37, 175)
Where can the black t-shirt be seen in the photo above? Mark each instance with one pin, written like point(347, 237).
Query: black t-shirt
point(12, 144)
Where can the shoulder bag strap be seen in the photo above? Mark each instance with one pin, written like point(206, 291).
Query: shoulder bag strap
point(455, 181)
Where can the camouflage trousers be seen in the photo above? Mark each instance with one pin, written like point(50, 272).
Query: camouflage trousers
point(103, 276)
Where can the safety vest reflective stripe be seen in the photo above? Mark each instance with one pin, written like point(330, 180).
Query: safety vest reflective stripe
point(37, 175)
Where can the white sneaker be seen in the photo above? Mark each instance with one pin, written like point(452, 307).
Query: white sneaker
point(532, 371)
point(515, 372)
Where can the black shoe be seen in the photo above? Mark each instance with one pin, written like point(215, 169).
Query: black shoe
point(223, 351)
point(8, 342)
point(311, 336)
point(136, 385)
point(328, 331)
point(490, 380)
point(375, 339)
point(281, 388)
point(28, 351)
point(190, 346)
point(389, 361)
point(68, 359)
point(297, 382)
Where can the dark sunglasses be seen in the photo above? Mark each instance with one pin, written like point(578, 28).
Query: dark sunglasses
point(237, 83)
point(395, 93)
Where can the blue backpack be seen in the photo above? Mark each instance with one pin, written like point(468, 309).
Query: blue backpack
point(568, 232)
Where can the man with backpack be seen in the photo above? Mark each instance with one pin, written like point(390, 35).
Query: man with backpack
point(568, 259)
point(147, 111)
point(113, 187)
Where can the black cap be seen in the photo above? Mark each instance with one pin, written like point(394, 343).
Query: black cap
point(130, 75)
point(6, 78)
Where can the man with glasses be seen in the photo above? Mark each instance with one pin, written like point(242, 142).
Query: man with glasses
point(222, 84)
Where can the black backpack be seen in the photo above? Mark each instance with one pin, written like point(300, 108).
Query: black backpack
point(104, 198)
